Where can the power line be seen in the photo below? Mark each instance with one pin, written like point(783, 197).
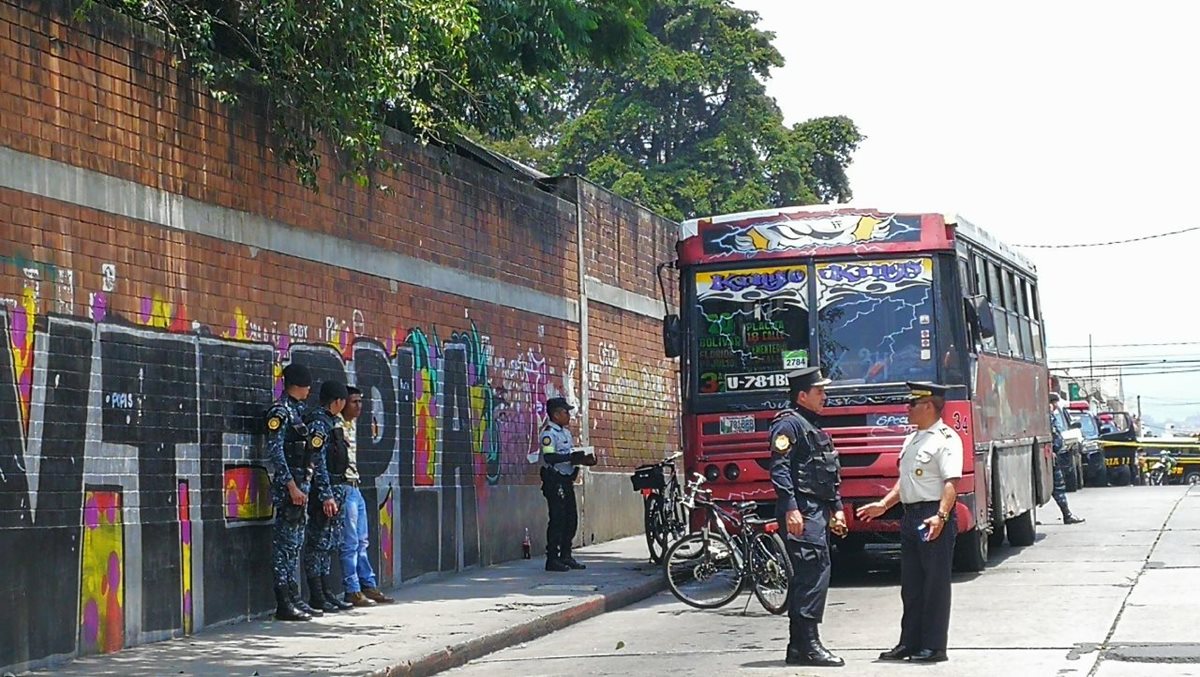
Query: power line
point(1105, 244)
point(1129, 345)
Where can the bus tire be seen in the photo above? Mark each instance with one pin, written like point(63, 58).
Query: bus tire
point(1119, 476)
point(1192, 477)
point(971, 551)
point(1022, 529)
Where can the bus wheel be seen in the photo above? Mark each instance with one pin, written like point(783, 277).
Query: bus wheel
point(1192, 478)
point(1022, 529)
point(971, 551)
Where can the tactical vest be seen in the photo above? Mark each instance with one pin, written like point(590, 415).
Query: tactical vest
point(295, 442)
point(337, 455)
point(816, 475)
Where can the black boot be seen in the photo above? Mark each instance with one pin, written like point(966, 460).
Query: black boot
point(1071, 518)
point(804, 647)
point(316, 596)
point(330, 599)
point(284, 609)
point(301, 604)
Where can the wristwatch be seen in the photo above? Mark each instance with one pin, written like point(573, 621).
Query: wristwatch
point(943, 515)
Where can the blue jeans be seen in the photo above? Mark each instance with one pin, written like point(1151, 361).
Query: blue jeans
point(356, 566)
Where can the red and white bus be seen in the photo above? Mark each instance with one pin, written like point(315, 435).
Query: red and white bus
point(876, 299)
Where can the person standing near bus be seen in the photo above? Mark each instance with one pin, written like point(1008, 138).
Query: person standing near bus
point(1061, 461)
point(804, 470)
point(930, 466)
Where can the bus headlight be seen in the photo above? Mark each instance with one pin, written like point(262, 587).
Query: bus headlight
point(712, 473)
point(732, 472)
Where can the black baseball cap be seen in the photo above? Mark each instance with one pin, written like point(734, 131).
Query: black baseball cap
point(297, 375)
point(555, 403)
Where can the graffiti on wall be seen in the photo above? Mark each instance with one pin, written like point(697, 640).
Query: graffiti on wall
point(173, 416)
point(102, 589)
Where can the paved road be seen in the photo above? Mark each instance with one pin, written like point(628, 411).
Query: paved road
point(1114, 597)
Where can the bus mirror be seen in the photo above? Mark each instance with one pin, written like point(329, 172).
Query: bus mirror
point(672, 341)
point(980, 312)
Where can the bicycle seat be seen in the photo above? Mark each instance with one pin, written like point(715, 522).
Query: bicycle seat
point(758, 521)
point(745, 506)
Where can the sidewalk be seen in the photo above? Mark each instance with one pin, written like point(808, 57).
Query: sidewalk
point(432, 627)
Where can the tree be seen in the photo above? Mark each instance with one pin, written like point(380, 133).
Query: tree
point(338, 70)
point(685, 126)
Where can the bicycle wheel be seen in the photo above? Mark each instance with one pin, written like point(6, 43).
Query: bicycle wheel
point(702, 571)
point(772, 571)
point(677, 515)
point(656, 540)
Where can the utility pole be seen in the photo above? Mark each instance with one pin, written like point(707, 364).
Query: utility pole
point(1091, 373)
point(1139, 398)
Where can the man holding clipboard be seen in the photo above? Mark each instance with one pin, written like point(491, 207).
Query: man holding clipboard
point(559, 461)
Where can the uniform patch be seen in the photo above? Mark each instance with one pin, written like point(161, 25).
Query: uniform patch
point(317, 441)
point(274, 423)
point(546, 441)
point(781, 443)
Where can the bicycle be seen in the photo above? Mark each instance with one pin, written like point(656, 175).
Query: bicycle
point(665, 517)
point(710, 568)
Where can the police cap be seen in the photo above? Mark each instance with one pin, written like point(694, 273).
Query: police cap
point(919, 390)
point(331, 391)
point(1054, 397)
point(803, 379)
point(297, 375)
point(555, 403)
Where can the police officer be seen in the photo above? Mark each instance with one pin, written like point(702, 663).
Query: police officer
point(804, 470)
point(558, 485)
point(287, 460)
point(331, 454)
point(1061, 460)
point(930, 467)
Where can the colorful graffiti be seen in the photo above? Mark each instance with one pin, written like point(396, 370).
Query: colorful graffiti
point(247, 493)
point(185, 554)
point(485, 439)
point(427, 361)
point(102, 585)
point(386, 551)
point(23, 318)
point(785, 231)
point(159, 313)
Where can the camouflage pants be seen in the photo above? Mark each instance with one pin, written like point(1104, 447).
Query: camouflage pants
point(324, 535)
point(287, 537)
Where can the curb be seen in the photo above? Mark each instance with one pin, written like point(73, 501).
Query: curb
point(459, 654)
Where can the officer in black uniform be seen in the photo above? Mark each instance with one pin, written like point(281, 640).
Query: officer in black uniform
point(804, 470)
point(327, 439)
point(288, 460)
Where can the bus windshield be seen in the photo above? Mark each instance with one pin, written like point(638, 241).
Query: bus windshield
point(874, 323)
point(875, 320)
point(752, 326)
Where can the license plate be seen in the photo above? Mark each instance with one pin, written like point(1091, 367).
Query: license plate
point(737, 424)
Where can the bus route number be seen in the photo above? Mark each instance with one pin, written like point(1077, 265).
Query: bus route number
point(755, 381)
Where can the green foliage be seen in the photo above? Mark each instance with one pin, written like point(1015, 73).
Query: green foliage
point(685, 127)
point(338, 70)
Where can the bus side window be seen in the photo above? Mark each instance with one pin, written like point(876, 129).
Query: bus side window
point(1035, 323)
point(995, 295)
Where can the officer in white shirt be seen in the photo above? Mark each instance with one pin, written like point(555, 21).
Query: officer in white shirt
point(930, 466)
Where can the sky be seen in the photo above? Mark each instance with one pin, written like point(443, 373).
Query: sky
point(1042, 122)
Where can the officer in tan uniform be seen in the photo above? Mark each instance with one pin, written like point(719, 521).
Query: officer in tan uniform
point(930, 466)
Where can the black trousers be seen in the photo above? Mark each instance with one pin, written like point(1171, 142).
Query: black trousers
point(810, 560)
point(559, 491)
point(1061, 461)
point(925, 579)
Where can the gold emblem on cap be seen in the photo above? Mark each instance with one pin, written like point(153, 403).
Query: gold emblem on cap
point(782, 443)
point(274, 422)
point(922, 393)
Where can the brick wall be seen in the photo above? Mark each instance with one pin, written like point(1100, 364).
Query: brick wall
point(157, 270)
